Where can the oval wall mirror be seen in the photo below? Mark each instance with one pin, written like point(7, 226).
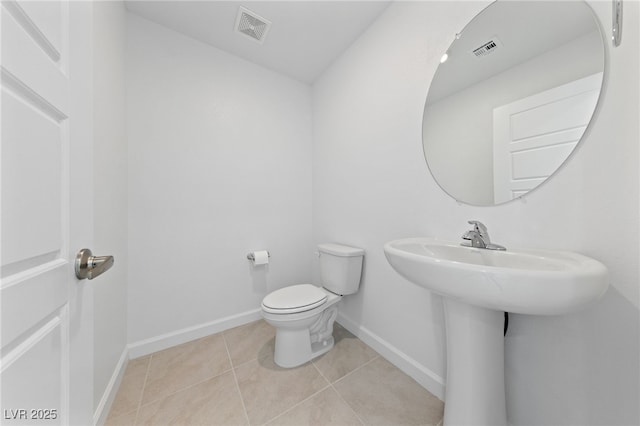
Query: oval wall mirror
point(512, 97)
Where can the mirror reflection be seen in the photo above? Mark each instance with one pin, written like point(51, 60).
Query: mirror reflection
point(512, 98)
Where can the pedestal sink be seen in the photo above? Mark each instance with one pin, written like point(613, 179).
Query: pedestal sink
point(478, 285)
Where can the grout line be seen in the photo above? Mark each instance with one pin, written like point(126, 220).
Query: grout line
point(356, 369)
point(336, 390)
point(319, 372)
point(144, 386)
point(307, 398)
point(259, 358)
point(235, 380)
point(331, 384)
point(186, 387)
point(299, 403)
point(348, 405)
point(339, 394)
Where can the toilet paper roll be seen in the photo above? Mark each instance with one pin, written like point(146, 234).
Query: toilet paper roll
point(260, 257)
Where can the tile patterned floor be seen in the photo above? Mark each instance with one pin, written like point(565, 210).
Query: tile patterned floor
point(230, 379)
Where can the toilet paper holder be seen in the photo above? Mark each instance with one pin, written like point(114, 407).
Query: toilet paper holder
point(252, 257)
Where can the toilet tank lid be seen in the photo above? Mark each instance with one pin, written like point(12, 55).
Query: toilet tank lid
point(340, 250)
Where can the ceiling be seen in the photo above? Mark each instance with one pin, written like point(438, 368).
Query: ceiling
point(304, 39)
point(524, 30)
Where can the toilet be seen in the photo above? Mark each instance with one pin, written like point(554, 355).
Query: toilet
point(303, 314)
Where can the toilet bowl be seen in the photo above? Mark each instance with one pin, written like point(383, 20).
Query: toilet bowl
point(303, 314)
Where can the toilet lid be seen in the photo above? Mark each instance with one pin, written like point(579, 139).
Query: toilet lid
point(296, 298)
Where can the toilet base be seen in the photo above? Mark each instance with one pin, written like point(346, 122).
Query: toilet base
point(295, 346)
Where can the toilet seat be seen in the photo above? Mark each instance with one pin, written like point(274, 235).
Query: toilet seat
point(294, 299)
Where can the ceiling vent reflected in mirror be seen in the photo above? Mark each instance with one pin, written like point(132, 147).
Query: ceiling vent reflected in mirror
point(487, 48)
point(252, 25)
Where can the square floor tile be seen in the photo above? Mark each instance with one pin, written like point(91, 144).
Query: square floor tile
point(250, 341)
point(213, 402)
point(380, 394)
point(176, 368)
point(269, 390)
point(126, 419)
point(326, 408)
point(348, 354)
point(130, 392)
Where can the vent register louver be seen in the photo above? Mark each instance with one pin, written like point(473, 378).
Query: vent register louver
point(487, 48)
point(252, 25)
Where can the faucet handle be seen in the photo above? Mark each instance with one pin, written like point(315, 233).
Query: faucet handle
point(479, 237)
point(480, 228)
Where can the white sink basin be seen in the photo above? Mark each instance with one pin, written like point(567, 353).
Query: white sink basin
point(538, 282)
point(478, 285)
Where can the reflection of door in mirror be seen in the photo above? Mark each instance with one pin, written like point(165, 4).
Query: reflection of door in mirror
point(533, 136)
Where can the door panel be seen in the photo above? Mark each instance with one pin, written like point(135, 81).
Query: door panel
point(40, 359)
point(31, 183)
point(44, 317)
point(36, 70)
point(45, 20)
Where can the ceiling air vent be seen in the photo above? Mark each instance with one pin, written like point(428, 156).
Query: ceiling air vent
point(487, 48)
point(252, 25)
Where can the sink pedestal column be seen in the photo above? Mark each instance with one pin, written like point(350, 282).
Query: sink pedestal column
point(475, 393)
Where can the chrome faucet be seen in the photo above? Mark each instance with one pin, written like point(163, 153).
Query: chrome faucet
point(479, 237)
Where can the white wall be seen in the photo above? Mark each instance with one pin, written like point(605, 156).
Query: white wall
point(110, 191)
point(469, 144)
point(371, 185)
point(219, 165)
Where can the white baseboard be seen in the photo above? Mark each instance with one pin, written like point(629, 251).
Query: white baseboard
point(164, 341)
point(418, 372)
point(102, 410)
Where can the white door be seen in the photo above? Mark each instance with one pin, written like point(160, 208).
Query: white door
point(46, 369)
point(533, 136)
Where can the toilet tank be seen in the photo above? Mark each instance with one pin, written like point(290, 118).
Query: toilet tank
point(340, 267)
